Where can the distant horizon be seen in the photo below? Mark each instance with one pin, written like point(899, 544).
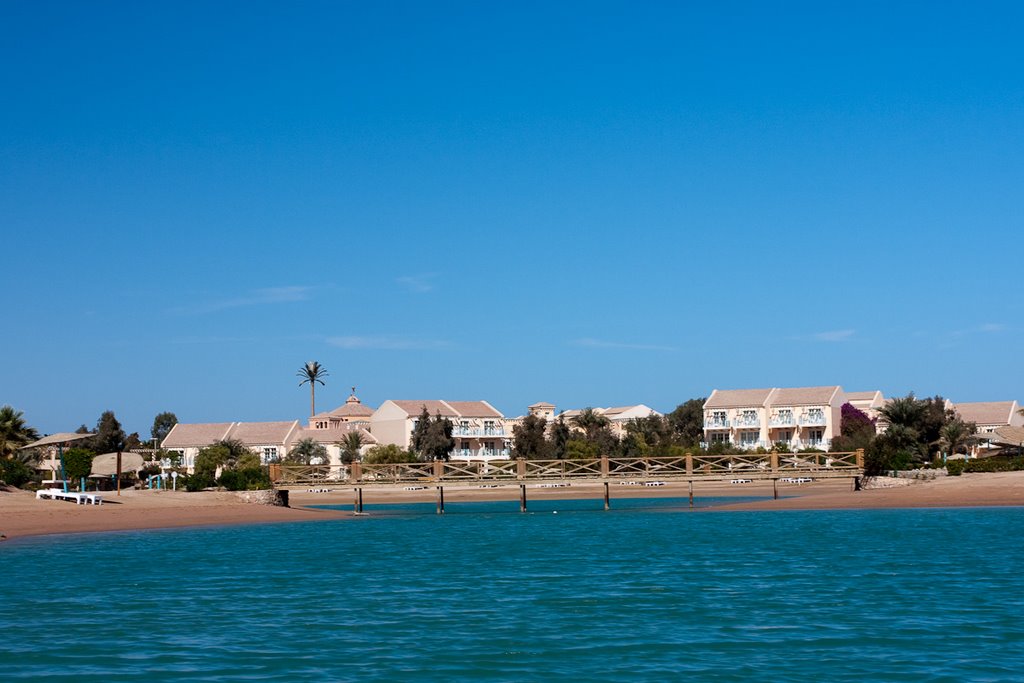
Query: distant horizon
point(595, 203)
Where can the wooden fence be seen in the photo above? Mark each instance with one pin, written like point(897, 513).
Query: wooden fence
point(685, 467)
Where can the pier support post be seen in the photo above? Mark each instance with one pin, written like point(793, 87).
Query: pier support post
point(440, 500)
point(690, 486)
point(360, 498)
point(607, 500)
point(775, 489)
point(522, 497)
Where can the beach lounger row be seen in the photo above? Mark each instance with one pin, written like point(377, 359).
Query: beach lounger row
point(79, 498)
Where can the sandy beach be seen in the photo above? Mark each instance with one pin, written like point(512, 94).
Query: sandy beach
point(21, 515)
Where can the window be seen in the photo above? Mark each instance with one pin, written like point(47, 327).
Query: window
point(719, 437)
point(269, 454)
point(785, 435)
point(748, 438)
point(815, 436)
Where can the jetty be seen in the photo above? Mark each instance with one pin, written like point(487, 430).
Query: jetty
point(689, 467)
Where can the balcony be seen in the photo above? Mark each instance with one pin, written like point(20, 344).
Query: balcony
point(459, 430)
point(812, 420)
point(747, 421)
point(820, 444)
point(481, 453)
point(782, 421)
point(717, 423)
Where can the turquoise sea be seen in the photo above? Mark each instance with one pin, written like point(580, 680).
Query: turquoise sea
point(649, 591)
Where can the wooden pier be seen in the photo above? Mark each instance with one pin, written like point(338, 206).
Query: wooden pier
point(689, 468)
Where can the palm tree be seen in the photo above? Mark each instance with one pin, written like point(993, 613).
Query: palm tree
point(955, 434)
point(312, 372)
point(14, 433)
point(906, 411)
point(350, 447)
point(306, 451)
point(589, 421)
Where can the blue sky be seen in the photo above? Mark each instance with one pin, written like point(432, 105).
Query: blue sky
point(585, 203)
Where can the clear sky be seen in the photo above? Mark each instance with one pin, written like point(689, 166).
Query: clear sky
point(589, 203)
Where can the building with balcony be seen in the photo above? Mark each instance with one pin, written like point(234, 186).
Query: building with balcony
point(478, 428)
point(804, 417)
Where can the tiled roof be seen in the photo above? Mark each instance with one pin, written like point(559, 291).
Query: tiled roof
point(861, 395)
point(737, 398)
point(193, 435)
point(542, 404)
point(986, 413)
point(352, 410)
point(414, 408)
point(474, 408)
point(336, 435)
point(804, 396)
point(257, 433)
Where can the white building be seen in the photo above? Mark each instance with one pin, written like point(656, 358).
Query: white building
point(803, 417)
point(479, 428)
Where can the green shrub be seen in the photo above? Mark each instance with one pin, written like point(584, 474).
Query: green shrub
point(15, 473)
point(248, 479)
point(198, 482)
point(955, 467)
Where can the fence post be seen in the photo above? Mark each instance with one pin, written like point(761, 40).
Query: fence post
point(859, 455)
point(355, 471)
point(521, 469)
point(438, 469)
point(604, 466)
point(689, 464)
point(775, 461)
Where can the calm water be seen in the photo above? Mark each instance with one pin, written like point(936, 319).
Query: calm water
point(648, 591)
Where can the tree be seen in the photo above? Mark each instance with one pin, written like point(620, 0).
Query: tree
point(956, 434)
point(162, 425)
point(311, 373)
point(581, 449)
point(307, 452)
point(919, 424)
point(589, 421)
point(78, 463)
point(528, 438)
point(14, 433)
point(432, 437)
point(856, 429)
point(388, 454)
point(558, 438)
point(651, 435)
point(687, 422)
point(226, 454)
point(110, 438)
point(351, 447)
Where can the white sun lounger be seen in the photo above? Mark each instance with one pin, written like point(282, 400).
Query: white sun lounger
point(79, 498)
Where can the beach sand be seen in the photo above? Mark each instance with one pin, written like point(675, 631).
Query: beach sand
point(21, 515)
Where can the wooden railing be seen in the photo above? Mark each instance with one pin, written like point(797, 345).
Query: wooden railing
point(684, 467)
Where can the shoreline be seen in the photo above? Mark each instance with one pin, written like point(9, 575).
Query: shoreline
point(23, 516)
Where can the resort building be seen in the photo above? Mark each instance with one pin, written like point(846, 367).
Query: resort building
point(991, 415)
point(618, 417)
point(868, 402)
point(269, 440)
point(805, 417)
point(352, 411)
point(479, 428)
point(333, 439)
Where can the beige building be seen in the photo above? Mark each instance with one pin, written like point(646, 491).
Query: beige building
point(479, 429)
point(868, 402)
point(352, 411)
point(803, 417)
point(269, 440)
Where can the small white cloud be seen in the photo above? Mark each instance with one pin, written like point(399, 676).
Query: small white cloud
point(385, 342)
point(588, 342)
point(417, 283)
point(833, 336)
point(992, 327)
point(257, 297)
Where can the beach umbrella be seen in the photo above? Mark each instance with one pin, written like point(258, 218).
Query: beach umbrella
point(106, 464)
point(58, 440)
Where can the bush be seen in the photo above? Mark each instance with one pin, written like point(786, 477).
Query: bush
point(198, 482)
point(956, 467)
point(248, 479)
point(388, 454)
point(15, 473)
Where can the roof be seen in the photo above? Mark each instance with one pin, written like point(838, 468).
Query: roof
point(1011, 436)
point(201, 434)
point(434, 407)
point(862, 395)
point(59, 437)
point(737, 398)
point(106, 464)
point(804, 396)
point(336, 435)
point(542, 404)
point(474, 409)
point(256, 433)
point(991, 412)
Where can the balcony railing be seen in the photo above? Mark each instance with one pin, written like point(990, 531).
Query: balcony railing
point(478, 431)
point(747, 421)
point(470, 453)
point(812, 419)
point(717, 423)
point(782, 421)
